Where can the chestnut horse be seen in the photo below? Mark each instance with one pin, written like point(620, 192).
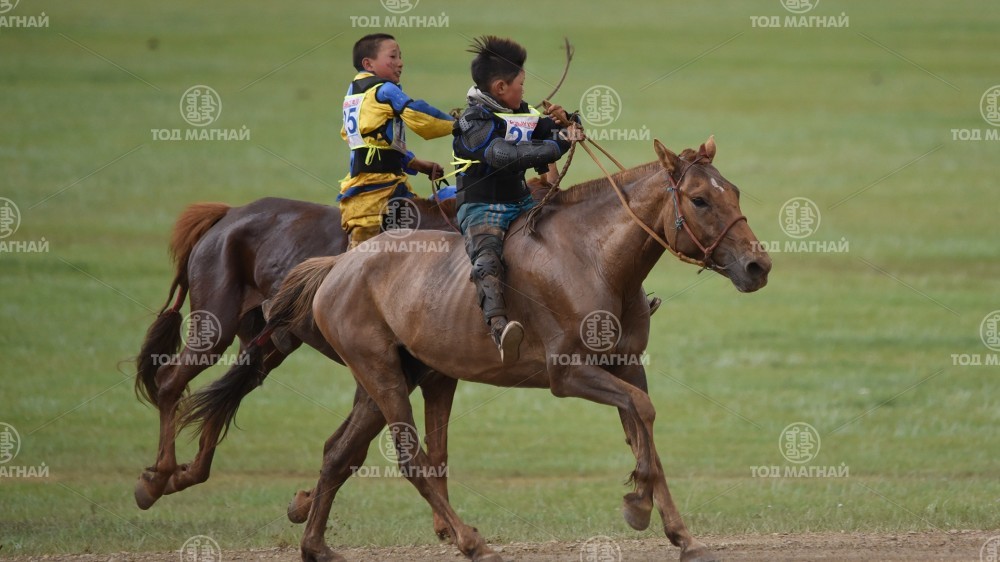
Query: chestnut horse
point(230, 260)
point(591, 254)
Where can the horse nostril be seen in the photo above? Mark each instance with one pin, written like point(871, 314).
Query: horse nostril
point(755, 269)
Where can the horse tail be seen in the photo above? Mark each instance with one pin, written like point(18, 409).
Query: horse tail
point(215, 406)
point(163, 338)
point(292, 304)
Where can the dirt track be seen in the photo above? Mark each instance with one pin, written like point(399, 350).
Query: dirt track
point(951, 545)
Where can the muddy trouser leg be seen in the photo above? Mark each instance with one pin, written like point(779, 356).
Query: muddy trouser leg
point(484, 245)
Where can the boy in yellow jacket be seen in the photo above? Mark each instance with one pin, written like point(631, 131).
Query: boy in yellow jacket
point(376, 115)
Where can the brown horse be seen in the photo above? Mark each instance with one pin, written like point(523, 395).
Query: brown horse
point(590, 255)
point(230, 260)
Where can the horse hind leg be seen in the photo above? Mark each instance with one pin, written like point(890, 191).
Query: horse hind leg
point(172, 381)
point(254, 367)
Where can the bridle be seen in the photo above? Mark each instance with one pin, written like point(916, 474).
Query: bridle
point(679, 223)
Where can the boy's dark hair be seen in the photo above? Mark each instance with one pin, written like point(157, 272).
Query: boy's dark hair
point(367, 48)
point(497, 58)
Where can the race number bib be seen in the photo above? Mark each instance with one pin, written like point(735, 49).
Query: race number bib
point(352, 116)
point(520, 126)
point(398, 135)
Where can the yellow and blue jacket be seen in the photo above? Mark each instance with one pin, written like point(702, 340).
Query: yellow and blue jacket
point(376, 115)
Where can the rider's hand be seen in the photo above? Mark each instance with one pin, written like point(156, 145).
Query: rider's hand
point(432, 169)
point(558, 114)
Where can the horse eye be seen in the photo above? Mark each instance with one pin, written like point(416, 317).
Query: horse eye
point(699, 202)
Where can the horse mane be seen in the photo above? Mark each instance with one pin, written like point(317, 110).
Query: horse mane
point(587, 189)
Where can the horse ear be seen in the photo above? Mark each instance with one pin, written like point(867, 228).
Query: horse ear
point(707, 150)
point(668, 159)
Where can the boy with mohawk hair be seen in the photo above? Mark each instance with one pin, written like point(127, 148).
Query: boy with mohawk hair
point(376, 114)
point(498, 137)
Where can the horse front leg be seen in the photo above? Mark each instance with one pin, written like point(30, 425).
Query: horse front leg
point(439, 392)
point(673, 525)
point(637, 413)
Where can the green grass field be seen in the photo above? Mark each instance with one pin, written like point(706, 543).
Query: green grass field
point(858, 344)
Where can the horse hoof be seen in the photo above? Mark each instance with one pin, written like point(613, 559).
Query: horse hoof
point(298, 509)
point(698, 553)
point(326, 555)
point(144, 496)
point(488, 557)
point(637, 511)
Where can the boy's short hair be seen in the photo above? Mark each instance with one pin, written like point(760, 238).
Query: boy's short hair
point(367, 48)
point(497, 58)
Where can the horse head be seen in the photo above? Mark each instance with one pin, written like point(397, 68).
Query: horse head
point(703, 221)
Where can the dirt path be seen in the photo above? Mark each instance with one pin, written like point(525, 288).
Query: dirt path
point(908, 547)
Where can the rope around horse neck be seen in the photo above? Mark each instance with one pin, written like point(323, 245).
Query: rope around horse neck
point(628, 209)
